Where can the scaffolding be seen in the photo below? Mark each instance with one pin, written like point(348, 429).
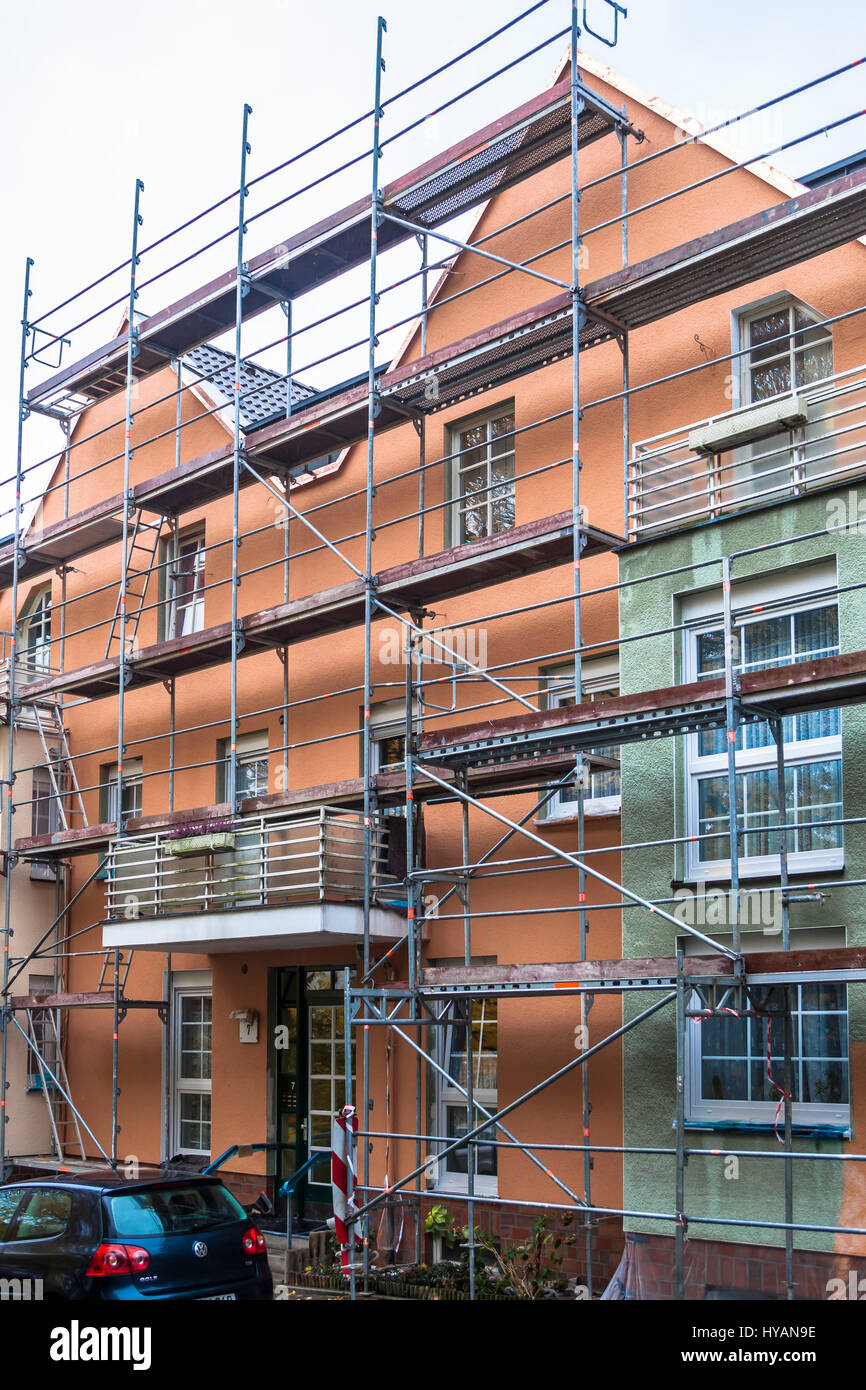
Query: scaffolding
point(286, 435)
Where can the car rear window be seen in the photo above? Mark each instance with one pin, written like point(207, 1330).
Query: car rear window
point(173, 1210)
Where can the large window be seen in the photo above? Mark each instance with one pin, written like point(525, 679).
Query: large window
point(483, 475)
point(34, 634)
point(44, 812)
point(777, 363)
point(778, 635)
point(132, 788)
point(252, 765)
point(388, 731)
point(185, 587)
point(599, 678)
point(470, 1038)
point(729, 1074)
point(192, 1051)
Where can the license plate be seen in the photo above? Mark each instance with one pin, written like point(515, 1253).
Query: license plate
point(217, 1297)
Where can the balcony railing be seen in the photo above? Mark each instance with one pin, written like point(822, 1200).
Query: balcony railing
point(671, 485)
point(256, 862)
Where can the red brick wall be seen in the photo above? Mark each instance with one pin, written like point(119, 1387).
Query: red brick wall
point(749, 1269)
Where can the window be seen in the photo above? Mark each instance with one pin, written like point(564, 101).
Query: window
point(473, 1025)
point(169, 1211)
point(133, 774)
point(44, 815)
point(252, 765)
point(599, 677)
point(483, 475)
point(185, 586)
point(44, 1212)
point(327, 1072)
point(388, 729)
point(9, 1199)
point(44, 820)
point(779, 634)
point(45, 1033)
point(192, 1046)
point(34, 634)
point(729, 1077)
point(777, 364)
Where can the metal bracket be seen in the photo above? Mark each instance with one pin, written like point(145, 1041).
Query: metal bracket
point(617, 11)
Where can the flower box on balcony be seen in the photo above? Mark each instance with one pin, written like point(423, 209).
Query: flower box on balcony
point(745, 426)
point(200, 844)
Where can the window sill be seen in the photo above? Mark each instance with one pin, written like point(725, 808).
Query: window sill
point(601, 808)
point(799, 1130)
point(720, 875)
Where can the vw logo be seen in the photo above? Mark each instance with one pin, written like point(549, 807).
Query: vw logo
point(199, 1249)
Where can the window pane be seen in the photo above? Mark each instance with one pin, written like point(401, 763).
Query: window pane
point(813, 792)
point(195, 1121)
point(45, 1214)
point(484, 1152)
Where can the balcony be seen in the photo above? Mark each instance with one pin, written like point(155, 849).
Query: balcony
point(252, 884)
point(784, 448)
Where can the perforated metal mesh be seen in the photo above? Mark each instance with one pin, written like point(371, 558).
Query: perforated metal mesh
point(514, 354)
point(263, 391)
point(513, 156)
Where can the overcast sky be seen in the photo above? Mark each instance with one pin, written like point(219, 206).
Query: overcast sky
point(98, 94)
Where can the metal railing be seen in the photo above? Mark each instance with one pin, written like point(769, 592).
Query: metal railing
point(249, 862)
point(669, 485)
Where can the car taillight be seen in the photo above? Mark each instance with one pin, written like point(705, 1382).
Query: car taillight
point(254, 1241)
point(117, 1259)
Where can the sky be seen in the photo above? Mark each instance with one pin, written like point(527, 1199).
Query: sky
point(99, 95)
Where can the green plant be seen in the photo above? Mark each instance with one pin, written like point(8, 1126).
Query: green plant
point(533, 1268)
point(439, 1223)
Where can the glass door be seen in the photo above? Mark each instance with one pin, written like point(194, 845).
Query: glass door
point(309, 1072)
point(326, 1069)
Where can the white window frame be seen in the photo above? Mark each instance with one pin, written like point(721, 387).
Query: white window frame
point(191, 610)
point(448, 1097)
point(387, 720)
point(760, 308)
point(133, 782)
point(252, 748)
point(597, 674)
point(698, 766)
point(42, 794)
point(699, 1109)
point(35, 657)
point(187, 984)
point(484, 417)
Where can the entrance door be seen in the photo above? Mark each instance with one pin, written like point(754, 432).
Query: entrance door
point(310, 1073)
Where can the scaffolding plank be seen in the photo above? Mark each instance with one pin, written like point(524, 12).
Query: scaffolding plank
point(332, 421)
point(501, 154)
point(524, 549)
point(808, 225)
point(95, 999)
point(820, 684)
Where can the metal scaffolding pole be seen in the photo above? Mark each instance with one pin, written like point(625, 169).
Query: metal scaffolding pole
point(241, 290)
point(10, 857)
point(373, 409)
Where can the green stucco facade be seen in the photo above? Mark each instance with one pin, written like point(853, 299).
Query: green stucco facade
point(653, 808)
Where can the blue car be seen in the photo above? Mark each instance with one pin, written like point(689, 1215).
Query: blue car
point(100, 1235)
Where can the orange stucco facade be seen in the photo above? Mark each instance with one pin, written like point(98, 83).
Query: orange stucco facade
point(535, 1037)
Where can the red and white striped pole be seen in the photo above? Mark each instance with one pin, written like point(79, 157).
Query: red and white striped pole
point(343, 1127)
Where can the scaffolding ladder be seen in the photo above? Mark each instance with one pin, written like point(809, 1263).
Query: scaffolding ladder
point(141, 551)
point(59, 764)
point(48, 1041)
point(107, 974)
